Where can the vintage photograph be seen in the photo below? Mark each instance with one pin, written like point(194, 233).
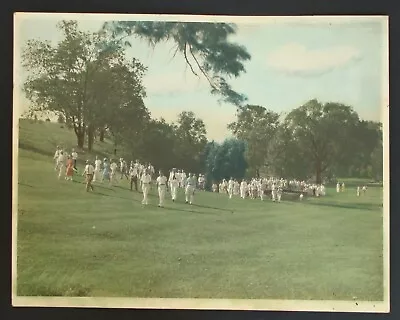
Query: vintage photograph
point(201, 162)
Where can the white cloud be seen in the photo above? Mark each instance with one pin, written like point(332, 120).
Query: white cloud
point(296, 59)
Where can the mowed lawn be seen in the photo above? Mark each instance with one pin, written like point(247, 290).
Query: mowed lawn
point(74, 243)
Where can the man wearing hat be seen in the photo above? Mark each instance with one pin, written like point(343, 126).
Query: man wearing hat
point(89, 171)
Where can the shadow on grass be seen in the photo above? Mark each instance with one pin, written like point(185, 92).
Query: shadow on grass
point(156, 206)
point(208, 207)
point(28, 147)
point(359, 206)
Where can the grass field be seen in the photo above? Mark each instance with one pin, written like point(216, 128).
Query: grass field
point(74, 243)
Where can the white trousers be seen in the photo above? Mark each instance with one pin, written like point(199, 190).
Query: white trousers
point(145, 189)
point(161, 194)
point(189, 193)
point(230, 192)
point(273, 195)
point(243, 193)
point(174, 190)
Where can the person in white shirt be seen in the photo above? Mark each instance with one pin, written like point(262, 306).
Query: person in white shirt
point(190, 187)
point(56, 156)
point(263, 187)
point(113, 175)
point(236, 188)
point(162, 188)
point(61, 164)
point(174, 184)
point(230, 187)
point(89, 172)
point(146, 180)
point(214, 187)
point(183, 179)
point(279, 193)
point(124, 169)
point(243, 189)
point(358, 191)
point(273, 191)
point(133, 173)
point(338, 187)
point(74, 155)
point(97, 170)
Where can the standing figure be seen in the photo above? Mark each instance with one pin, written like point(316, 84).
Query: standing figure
point(243, 189)
point(273, 191)
point(162, 188)
point(133, 173)
point(97, 170)
point(190, 187)
point(113, 174)
point(358, 191)
point(338, 187)
point(146, 180)
point(61, 164)
point(174, 184)
point(106, 171)
point(74, 155)
point(230, 187)
point(89, 172)
point(70, 169)
point(55, 158)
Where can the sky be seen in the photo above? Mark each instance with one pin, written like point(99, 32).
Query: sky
point(293, 60)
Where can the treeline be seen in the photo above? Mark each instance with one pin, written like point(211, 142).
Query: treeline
point(87, 80)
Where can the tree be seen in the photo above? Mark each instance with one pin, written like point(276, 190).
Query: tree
point(156, 145)
point(286, 157)
point(68, 78)
point(204, 46)
point(256, 126)
point(191, 140)
point(226, 160)
point(325, 133)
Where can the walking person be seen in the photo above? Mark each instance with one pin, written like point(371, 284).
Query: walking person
point(61, 164)
point(146, 180)
point(162, 188)
point(74, 156)
point(106, 171)
point(69, 173)
point(88, 172)
point(133, 174)
point(97, 170)
point(174, 185)
point(190, 187)
point(55, 158)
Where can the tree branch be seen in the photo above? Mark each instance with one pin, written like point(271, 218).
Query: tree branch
point(201, 68)
point(187, 60)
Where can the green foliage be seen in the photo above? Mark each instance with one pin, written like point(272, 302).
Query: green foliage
point(79, 79)
point(204, 46)
point(225, 160)
point(256, 126)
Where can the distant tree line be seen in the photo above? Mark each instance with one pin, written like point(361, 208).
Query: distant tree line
point(87, 81)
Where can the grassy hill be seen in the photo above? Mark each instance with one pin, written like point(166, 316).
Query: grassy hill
point(105, 243)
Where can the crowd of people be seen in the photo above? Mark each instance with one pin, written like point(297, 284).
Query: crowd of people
point(261, 187)
point(143, 176)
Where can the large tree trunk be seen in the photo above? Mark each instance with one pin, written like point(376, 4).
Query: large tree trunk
point(81, 138)
point(90, 137)
point(102, 131)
